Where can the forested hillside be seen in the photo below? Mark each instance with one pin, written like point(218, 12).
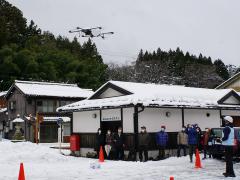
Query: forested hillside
point(27, 53)
point(173, 67)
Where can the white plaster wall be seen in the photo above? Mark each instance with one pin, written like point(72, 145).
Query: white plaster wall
point(198, 116)
point(84, 122)
point(231, 112)
point(231, 100)
point(153, 118)
point(128, 120)
point(110, 93)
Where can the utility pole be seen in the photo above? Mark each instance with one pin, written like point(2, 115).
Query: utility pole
point(39, 119)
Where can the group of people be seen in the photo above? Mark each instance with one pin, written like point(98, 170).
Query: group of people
point(112, 144)
point(189, 137)
point(193, 137)
point(144, 141)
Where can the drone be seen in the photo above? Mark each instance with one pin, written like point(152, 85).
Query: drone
point(91, 32)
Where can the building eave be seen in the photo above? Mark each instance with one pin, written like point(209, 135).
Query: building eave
point(212, 107)
point(228, 81)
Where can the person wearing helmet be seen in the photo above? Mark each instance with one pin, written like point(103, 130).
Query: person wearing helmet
point(228, 142)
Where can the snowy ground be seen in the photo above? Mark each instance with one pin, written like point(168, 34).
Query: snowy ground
point(43, 163)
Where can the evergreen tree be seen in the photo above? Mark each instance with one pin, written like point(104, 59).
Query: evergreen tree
point(221, 69)
point(27, 53)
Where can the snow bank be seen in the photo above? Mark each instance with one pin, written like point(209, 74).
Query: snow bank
point(42, 163)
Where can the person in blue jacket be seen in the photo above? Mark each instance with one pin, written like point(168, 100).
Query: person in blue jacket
point(162, 140)
point(192, 140)
point(228, 143)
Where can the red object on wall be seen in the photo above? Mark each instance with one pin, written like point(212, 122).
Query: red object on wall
point(74, 142)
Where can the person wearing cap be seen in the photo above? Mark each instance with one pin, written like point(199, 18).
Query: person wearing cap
point(228, 143)
point(162, 140)
point(143, 142)
point(182, 141)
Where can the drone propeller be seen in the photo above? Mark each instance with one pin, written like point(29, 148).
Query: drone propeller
point(73, 31)
point(90, 32)
point(102, 35)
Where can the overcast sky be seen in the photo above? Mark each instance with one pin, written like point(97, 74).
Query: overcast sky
point(210, 27)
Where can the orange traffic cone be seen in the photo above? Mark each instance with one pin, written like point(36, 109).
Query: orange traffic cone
point(171, 178)
point(198, 160)
point(101, 155)
point(21, 175)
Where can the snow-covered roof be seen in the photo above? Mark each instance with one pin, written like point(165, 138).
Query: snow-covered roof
point(18, 120)
point(33, 88)
point(3, 93)
point(54, 119)
point(153, 95)
point(3, 110)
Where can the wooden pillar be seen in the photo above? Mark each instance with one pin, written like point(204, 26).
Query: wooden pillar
point(71, 123)
point(222, 123)
point(100, 118)
point(183, 117)
point(121, 117)
point(135, 125)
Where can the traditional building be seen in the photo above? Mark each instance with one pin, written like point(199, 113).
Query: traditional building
point(27, 98)
point(3, 112)
point(132, 105)
point(232, 83)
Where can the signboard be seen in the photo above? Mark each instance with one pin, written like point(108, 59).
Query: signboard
point(111, 115)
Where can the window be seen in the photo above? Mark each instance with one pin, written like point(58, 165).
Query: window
point(29, 101)
point(39, 103)
point(12, 105)
point(63, 103)
point(45, 106)
point(50, 106)
point(66, 130)
point(39, 106)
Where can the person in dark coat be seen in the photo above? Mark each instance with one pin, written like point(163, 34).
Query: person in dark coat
point(228, 142)
point(119, 144)
point(199, 137)
point(143, 143)
point(162, 140)
point(192, 140)
point(100, 141)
